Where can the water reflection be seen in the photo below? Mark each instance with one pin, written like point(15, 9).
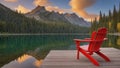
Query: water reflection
point(28, 51)
point(25, 61)
point(37, 46)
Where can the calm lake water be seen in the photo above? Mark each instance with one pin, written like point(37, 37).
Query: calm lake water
point(28, 51)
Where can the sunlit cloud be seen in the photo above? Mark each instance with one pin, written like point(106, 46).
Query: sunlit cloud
point(41, 2)
point(49, 6)
point(79, 6)
point(57, 9)
point(11, 1)
point(22, 9)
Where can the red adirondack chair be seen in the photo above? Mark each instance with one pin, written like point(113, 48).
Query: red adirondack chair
point(96, 40)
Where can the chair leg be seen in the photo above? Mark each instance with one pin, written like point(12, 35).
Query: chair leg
point(78, 54)
point(103, 56)
point(89, 57)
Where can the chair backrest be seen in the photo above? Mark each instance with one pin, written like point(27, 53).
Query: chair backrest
point(98, 38)
point(93, 35)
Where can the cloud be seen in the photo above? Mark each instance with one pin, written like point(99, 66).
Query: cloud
point(22, 9)
point(79, 6)
point(11, 1)
point(56, 9)
point(41, 2)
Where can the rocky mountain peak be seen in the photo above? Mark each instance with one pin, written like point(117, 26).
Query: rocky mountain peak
point(4, 7)
point(67, 14)
point(74, 19)
point(41, 14)
point(38, 10)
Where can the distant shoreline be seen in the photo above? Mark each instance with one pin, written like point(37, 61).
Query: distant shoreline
point(44, 34)
point(117, 34)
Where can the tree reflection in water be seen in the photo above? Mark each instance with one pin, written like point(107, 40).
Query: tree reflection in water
point(35, 46)
point(28, 51)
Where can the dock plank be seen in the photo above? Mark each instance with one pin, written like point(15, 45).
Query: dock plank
point(67, 59)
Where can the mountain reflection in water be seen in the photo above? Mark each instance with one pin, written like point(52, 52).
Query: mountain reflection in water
point(27, 51)
point(32, 47)
point(25, 61)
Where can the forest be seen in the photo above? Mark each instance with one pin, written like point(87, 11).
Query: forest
point(111, 21)
point(14, 22)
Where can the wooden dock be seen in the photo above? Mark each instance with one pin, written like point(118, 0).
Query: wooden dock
point(67, 59)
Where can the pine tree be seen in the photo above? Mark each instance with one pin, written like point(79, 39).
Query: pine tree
point(118, 24)
point(104, 20)
point(94, 25)
point(100, 20)
point(115, 20)
point(119, 13)
point(110, 16)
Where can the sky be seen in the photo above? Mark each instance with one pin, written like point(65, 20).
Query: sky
point(87, 9)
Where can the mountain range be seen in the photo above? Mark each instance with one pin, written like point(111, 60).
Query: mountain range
point(37, 21)
point(41, 14)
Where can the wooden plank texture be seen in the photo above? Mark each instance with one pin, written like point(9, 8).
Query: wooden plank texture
point(67, 59)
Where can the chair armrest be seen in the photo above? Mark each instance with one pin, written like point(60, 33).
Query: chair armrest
point(105, 38)
point(90, 38)
point(83, 40)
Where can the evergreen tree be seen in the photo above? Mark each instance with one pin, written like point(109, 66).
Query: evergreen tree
point(115, 20)
point(14, 22)
point(110, 16)
point(119, 13)
point(118, 24)
point(94, 25)
point(100, 20)
point(111, 21)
